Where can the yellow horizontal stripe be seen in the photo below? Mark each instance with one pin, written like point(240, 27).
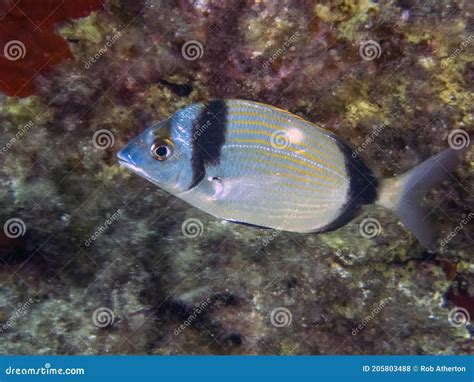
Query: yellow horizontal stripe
point(306, 129)
point(250, 104)
point(322, 160)
point(256, 132)
point(334, 180)
point(278, 213)
point(266, 115)
point(262, 114)
point(307, 126)
point(307, 210)
point(289, 148)
point(280, 165)
point(280, 182)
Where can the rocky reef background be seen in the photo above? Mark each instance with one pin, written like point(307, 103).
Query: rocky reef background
point(98, 261)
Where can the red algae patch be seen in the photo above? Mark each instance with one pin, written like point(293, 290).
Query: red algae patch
point(28, 44)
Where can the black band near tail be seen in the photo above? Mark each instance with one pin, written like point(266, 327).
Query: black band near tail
point(363, 185)
point(209, 131)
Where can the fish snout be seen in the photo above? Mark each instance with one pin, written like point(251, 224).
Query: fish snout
point(128, 155)
point(124, 156)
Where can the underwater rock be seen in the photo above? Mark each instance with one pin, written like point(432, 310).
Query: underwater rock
point(104, 257)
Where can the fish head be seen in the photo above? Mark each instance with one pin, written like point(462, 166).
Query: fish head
point(162, 154)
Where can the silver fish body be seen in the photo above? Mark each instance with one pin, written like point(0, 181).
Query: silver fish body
point(252, 163)
point(256, 164)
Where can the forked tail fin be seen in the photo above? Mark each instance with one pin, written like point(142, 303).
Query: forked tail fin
point(403, 194)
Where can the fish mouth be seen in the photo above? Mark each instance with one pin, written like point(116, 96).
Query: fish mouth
point(126, 161)
point(125, 164)
point(131, 166)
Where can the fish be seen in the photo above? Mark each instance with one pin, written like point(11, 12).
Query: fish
point(255, 164)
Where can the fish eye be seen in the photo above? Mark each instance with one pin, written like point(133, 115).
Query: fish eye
point(162, 149)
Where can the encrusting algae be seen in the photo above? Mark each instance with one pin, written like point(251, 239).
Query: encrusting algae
point(143, 267)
